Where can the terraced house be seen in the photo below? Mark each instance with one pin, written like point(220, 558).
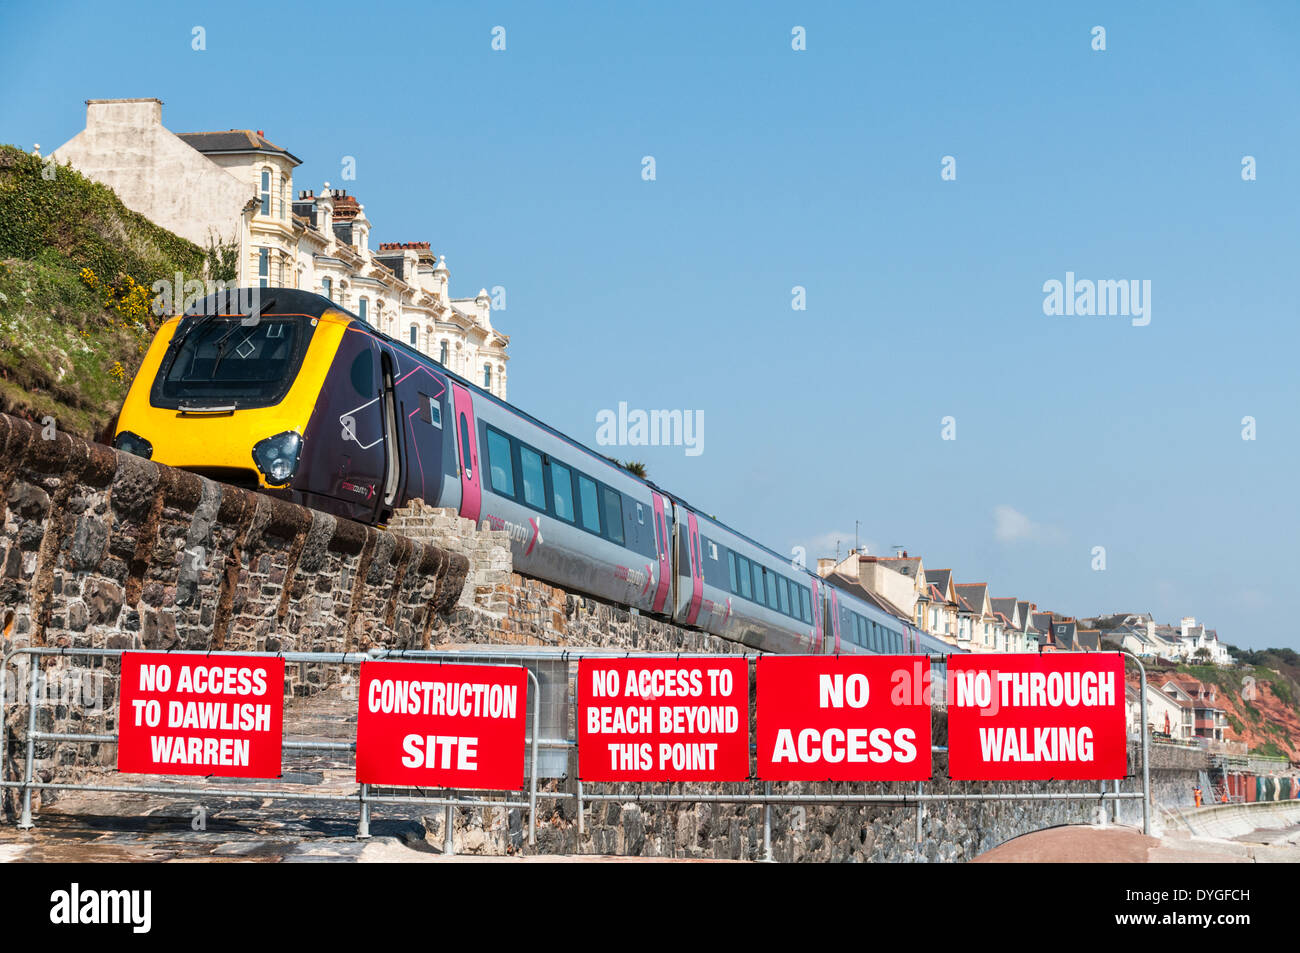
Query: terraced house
point(235, 189)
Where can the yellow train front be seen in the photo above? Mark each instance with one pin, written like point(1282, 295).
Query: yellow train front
point(278, 390)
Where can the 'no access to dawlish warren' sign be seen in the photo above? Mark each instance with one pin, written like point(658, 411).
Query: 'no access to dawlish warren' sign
point(200, 715)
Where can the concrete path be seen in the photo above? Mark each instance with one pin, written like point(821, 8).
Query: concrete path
point(1129, 845)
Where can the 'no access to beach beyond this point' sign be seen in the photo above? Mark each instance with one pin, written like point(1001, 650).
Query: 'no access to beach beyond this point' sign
point(669, 719)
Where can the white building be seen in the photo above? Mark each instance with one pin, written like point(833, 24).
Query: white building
point(235, 189)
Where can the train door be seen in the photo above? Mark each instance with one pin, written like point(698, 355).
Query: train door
point(392, 448)
point(467, 447)
point(697, 569)
point(819, 613)
point(355, 403)
point(835, 617)
point(663, 539)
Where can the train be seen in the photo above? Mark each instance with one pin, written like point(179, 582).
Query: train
point(285, 392)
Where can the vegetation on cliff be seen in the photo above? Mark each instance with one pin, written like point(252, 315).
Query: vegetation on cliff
point(1259, 695)
point(76, 266)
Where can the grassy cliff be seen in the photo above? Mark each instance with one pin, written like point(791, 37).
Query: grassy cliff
point(76, 266)
point(1261, 697)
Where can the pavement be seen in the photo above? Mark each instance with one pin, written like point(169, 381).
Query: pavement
point(1126, 845)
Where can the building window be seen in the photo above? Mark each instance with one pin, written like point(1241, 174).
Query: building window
point(264, 267)
point(281, 197)
point(487, 376)
point(327, 285)
point(361, 308)
point(442, 354)
point(415, 332)
point(266, 191)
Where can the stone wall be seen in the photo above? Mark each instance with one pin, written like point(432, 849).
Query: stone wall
point(102, 549)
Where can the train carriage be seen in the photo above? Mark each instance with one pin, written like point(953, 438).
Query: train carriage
point(283, 391)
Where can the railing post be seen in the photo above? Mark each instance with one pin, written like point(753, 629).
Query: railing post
point(448, 831)
point(4, 724)
point(363, 822)
point(767, 823)
point(25, 823)
point(532, 787)
point(581, 821)
point(1146, 748)
point(920, 816)
point(1146, 758)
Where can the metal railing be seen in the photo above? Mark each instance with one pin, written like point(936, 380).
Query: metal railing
point(364, 796)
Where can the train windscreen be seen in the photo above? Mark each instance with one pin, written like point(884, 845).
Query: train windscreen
point(223, 362)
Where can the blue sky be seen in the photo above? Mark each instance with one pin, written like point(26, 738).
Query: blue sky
point(821, 168)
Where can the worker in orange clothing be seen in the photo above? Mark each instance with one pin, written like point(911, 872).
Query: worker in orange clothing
point(1196, 792)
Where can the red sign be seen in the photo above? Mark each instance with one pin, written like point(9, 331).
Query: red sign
point(442, 726)
point(1036, 717)
point(843, 718)
point(642, 719)
point(181, 713)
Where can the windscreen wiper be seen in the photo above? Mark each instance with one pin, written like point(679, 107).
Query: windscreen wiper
point(250, 320)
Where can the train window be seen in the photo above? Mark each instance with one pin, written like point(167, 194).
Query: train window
point(614, 515)
point(772, 602)
point(251, 367)
point(530, 472)
point(742, 571)
point(562, 491)
point(430, 412)
point(807, 605)
point(731, 568)
point(758, 583)
point(783, 592)
point(590, 501)
point(503, 478)
point(362, 374)
point(466, 460)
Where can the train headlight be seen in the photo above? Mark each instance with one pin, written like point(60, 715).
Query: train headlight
point(277, 457)
point(134, 443)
